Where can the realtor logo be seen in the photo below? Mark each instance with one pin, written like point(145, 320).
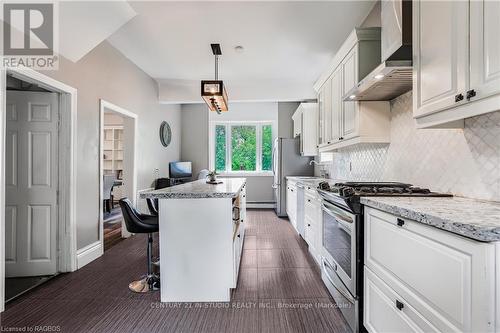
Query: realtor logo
point(29, 35)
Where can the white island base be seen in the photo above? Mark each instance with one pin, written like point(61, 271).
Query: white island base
point(201, 244)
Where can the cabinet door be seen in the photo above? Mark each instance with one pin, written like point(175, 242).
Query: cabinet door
point(309, 129)
point(337, 92)
point(440, 54)
point(327, 115)
point(485, 47)
point(320, 117)
point(349, 109)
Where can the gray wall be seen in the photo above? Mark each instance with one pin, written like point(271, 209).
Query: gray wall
point(285, 122)
point(105, 73)
point(194, 135)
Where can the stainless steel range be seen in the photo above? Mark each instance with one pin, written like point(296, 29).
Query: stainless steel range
point(342, 254)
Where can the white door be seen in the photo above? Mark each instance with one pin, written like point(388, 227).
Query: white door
point(349, 110)
point(440, 59)
point(327, 111)
point(485, 47)
point(337, 92)
point(31, 182)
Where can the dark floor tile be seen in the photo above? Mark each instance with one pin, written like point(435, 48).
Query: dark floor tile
point(284, 258)
point(249, 259)
point(275, 283)
point(278, 242)
point(250, 242)
point(247, 287)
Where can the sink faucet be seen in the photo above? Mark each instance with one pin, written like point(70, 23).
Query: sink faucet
point(314, 162)
point(322, 172)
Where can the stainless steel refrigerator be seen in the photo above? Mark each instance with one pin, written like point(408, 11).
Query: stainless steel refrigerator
point(287, 161)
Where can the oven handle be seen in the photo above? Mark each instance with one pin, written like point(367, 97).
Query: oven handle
point(344, 223)
point(345, 294)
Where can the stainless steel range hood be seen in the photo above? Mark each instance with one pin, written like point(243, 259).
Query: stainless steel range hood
point(393, 77)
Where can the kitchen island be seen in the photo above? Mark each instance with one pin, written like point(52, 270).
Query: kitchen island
point(201, 238)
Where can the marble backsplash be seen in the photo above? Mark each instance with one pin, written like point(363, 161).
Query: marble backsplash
point(465, 162)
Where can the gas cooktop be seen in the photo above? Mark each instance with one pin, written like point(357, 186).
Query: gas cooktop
point(348, 193)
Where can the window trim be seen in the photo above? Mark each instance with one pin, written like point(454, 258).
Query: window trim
point(258, 142)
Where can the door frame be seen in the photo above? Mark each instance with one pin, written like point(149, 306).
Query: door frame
point(67, 242)
point(129, 128)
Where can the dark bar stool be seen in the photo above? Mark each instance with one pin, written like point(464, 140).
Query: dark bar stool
point(142, 224)
point(152, 206)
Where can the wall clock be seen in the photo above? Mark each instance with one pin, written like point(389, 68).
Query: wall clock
point(165, 134)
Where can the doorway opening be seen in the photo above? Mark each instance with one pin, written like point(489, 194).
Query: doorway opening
point(117, 170)
point(38, 202)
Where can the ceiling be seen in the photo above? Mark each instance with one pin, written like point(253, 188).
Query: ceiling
point(286, 45)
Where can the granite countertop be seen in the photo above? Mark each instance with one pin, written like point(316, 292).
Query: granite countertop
point(479, 220)
point(312, 181)
point(198, 189)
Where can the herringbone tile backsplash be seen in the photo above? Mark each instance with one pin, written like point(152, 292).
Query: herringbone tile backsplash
point(465, 162)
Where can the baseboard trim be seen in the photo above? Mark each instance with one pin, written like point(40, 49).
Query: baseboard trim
point(261, 205)
point(88, 254)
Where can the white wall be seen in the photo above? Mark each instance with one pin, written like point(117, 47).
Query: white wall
point(463, 162)
point(105, 73)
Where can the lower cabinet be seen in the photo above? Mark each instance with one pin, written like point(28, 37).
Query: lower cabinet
point(291, 203)
point(313, 224)
point(420, 278)
point(239, 235)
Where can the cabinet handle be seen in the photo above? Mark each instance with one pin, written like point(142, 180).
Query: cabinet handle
point(244, 196)
point(341, 138)
point(329, 142)
point(239, 236)
point(459, 97)
point(401, 222)
point(241, 221)
point(471, 93)
point(399, 305)
point(308, 225)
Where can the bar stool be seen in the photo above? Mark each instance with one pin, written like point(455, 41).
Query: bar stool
point(142, 224)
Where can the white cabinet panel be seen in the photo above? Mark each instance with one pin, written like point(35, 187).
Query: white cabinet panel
point(349, 110)
point(337, 104)
point(327, 111)
point(440, 60)
point(386, 311)
point(448, 278)
point(485, 47)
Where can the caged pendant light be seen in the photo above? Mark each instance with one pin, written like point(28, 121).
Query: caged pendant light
point(213, 92)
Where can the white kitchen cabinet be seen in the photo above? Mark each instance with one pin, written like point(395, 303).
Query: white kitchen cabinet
point(313, 223)
point(485, 48)
point(291, 203)
point(349, 121)
point(337, 104)
point(297, 122)
point(440, 57)
point(456, 61)
point(321, 115)
point(306, 117)
point(344, 123)
point(327, 111)
point(444, 282)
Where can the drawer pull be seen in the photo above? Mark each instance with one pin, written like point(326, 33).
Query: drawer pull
point(470, 94)
point(308, 224)
point(308, 200)
point(459, 98)
point(401, 222)
point(399, 305)
point(239, 236)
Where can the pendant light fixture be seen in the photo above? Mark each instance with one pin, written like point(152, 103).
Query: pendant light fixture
point(213, 92)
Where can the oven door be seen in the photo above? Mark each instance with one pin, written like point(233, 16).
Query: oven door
point(339, 244)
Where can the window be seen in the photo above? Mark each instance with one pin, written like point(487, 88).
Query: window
point(242, 147)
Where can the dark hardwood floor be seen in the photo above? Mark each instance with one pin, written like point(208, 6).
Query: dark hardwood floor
point(279, 290)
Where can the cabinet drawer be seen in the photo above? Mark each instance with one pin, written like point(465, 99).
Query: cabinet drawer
point(449, 278)
point(386, 311)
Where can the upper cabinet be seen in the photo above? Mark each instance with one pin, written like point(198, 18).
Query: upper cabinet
point(456, 58)
point(343, 123)
point(305, 123)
